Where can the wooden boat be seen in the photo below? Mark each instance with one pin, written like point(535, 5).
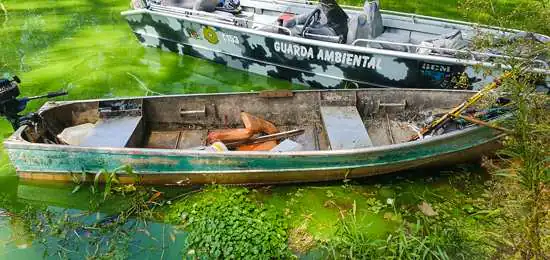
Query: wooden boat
point(347, 134)
point(377, 49)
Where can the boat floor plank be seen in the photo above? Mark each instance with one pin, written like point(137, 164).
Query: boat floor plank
point(163, 139)
point(192, 138)
point(401, 131)
point(378, 132)
point(311, 140)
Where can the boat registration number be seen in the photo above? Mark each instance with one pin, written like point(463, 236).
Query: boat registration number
point(436, 67)
point(230, 38)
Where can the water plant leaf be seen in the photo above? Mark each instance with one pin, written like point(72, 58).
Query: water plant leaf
point(96, 178)
point(76, 189)
point(223, 223)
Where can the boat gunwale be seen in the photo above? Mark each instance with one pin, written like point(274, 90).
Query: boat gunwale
point(16, 141)
point(236, 93)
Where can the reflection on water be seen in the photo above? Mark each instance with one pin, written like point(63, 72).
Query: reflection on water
point(39, 220)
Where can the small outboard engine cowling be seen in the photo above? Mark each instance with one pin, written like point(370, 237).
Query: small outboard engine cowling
point(9, 89)
point(11, 106)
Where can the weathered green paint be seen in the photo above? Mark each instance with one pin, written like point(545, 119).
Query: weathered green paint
point(64, 159)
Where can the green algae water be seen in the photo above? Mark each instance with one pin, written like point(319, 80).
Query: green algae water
point(86, 48)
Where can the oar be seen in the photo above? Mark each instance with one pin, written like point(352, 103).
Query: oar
point(483, 123)
point(266, 138)
point(455, 112)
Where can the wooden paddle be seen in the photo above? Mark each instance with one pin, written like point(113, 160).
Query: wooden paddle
point(266, 138)
point(483, 123)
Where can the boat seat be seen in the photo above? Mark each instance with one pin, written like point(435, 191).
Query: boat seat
point(368, 25)
point(344, 127)
point(393, 35)
point(418, 37)
point(210, 6)
point(199, 5)
point(262, 22)
point(112, 132)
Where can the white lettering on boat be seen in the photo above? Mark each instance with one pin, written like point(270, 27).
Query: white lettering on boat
point(330, 56)
point(436, 67)
point(230, 38)
point(294, 50)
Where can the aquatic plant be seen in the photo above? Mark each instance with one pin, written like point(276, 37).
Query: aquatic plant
point(224, 223)
point(112, 182)
point(423, 239)
point(69, 233)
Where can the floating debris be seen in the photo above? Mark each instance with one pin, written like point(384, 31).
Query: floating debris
point(427, 209)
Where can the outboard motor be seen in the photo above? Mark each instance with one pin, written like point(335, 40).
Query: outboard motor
point(11, 106)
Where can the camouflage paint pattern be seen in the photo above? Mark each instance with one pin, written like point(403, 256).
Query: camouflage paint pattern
point(302, 61)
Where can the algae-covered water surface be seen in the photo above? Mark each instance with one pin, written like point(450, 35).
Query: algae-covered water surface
point(86, 48)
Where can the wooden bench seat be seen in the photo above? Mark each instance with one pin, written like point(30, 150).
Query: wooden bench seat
point(344, 127)
point(112, 132)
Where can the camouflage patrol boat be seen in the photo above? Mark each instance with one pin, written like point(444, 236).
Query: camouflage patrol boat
point(322, 45)
point(343, 134)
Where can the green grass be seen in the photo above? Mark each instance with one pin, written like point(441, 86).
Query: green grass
point(532, 15)
point(444, 8)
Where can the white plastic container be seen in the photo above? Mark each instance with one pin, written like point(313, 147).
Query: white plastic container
point(75, 134)
point(214, 147)
point(287, 146)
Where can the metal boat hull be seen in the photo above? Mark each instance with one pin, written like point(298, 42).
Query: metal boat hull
point(301, 61)
point(63, 163)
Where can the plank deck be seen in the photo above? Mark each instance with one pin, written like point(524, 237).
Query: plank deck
point(311, 140)
point(344, 127)
point(192, 138)
point(163, 139)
